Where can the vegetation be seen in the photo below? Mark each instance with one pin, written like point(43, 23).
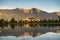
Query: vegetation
point(3, 23)
point(45, 23)
point(12, 23)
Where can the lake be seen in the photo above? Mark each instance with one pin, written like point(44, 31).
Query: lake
point(18, 30)
point(46, 36)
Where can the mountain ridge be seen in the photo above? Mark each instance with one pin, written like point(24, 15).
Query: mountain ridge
point(20, 14)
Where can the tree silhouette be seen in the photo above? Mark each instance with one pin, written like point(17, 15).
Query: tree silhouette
point(59, 22)
point(32, 23)
point(1, 23)
point(13, 23)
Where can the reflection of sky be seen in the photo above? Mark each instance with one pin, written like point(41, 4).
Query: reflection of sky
point(46, 5)
point(46, 36)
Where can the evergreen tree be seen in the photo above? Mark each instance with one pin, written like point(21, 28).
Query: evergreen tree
point(13, 23)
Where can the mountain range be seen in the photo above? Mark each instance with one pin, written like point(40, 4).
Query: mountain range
point(21, 13)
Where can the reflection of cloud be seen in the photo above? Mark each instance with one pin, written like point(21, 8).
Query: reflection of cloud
point(50, 36)
point(46, 36)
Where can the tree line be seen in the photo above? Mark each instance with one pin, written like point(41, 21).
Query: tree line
point(45, 23)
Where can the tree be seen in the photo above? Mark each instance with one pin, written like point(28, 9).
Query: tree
point(1, 23)
point(59, 21)
point(21, 23)
point(33, 23)
point(13, 23)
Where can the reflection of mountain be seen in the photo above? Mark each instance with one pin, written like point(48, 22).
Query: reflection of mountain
point(25, 13)
point(46, 36)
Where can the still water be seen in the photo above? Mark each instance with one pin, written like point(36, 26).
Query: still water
point(46, 36)
point(47, 33)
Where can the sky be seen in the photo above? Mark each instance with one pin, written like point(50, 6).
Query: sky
point(46, 5)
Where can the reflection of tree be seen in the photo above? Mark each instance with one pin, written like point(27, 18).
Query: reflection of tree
point(21, 23)
point(12, 26)
point(44, 23)
point(31, 23)
point(13, 23)
point(56, 22)
point(3, 23)
point(59, 22)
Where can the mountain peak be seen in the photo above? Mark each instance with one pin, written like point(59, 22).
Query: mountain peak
point(30, 10)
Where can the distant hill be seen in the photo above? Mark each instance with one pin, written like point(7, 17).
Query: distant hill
point(19, 14)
